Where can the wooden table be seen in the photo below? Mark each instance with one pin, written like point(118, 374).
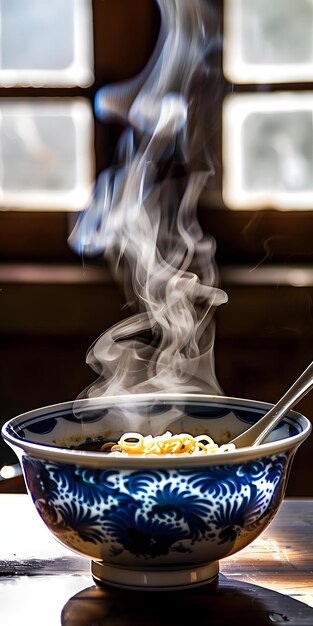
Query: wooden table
point(44, 584)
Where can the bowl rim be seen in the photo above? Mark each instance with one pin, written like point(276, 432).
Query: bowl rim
point(101, 461)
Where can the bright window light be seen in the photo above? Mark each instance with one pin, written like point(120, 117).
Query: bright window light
point(268, 151)
point(46, 153)
point(46, 43)
point(268, 41)
point(7, 471)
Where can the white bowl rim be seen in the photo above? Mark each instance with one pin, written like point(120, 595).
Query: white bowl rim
point(101, 461)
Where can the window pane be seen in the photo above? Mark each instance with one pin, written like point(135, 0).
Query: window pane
point(45, 42)
point(268, 151)
point(268, 41)
point(280, 146)
point(46, 153)
point(282, 31)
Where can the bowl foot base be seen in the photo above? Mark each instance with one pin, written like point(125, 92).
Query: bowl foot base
point(154, 579)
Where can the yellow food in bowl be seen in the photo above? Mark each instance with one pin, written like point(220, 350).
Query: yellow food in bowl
point(168, 444)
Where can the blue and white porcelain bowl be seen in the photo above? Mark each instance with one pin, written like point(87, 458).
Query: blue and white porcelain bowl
point(158, 522)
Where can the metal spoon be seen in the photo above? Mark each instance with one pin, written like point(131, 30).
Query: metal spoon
point(259, 431)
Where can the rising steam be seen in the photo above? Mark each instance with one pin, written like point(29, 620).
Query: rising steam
point(143, 217)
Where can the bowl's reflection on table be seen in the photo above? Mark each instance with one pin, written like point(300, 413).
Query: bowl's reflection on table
point(220, 604)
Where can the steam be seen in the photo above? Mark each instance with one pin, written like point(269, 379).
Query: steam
point(143, 217)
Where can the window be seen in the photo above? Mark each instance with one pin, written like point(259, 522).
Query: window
point(268, 41)
point(123, 37)
point(268, 137)
point(268, 150)
point(46, 153)
point(46, 143)
point(46, 43)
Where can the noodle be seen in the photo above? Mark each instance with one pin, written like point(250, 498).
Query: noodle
point(167, 444)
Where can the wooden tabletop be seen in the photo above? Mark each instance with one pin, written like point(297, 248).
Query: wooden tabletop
point(44, 584)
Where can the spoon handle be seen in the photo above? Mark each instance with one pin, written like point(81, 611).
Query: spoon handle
point(259, 431)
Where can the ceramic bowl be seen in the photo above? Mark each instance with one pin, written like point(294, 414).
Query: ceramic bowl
point(158, 522)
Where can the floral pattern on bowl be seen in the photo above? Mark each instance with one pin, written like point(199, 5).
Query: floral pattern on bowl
point(151, 514)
